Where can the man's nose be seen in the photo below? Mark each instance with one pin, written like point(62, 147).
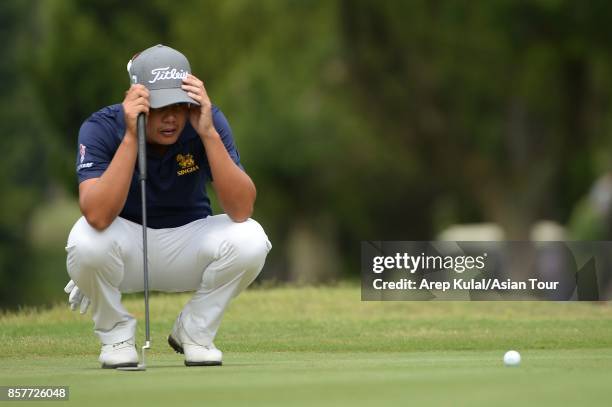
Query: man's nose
point(169, 115)
point(171, 112)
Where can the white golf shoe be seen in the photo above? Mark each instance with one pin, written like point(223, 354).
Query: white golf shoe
point(195, 355)
point(120, 354)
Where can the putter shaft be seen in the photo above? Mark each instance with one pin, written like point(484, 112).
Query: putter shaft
point(142, 166)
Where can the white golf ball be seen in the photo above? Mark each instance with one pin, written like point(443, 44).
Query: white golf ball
point(512, 358)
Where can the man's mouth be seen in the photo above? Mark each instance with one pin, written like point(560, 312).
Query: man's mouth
point(171, 131)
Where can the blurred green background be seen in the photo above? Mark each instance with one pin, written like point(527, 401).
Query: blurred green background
point(357, 120)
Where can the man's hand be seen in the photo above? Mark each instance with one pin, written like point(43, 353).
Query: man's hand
point(76, 297)
point(199, 116)
point(136, 101)
point(235, 190)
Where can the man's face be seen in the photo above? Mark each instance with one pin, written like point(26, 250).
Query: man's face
point(164, 125)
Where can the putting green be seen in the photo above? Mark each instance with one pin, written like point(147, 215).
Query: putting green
point(292, 346)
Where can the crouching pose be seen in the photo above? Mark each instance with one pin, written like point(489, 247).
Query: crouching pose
point(189, 144)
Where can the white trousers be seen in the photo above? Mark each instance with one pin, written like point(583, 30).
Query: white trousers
point(215, 257)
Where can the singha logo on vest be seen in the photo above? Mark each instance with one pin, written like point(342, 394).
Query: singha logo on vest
point(186, 164)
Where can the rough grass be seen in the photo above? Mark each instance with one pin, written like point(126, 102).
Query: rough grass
point(323, 345)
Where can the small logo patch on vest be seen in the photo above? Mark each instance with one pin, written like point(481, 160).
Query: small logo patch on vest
point(186, 164)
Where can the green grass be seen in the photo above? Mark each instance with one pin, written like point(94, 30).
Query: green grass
point(323, 346)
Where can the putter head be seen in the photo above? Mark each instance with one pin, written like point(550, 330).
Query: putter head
point(141, 366)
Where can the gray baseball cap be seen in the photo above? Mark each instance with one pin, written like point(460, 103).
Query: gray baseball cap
point(161, 69)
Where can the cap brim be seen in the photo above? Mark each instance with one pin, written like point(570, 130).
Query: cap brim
point(164, 97)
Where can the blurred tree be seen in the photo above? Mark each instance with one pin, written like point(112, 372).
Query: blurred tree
point(357, 119)
point(24, 147)
point(297, 138)
point(80, 63)
point(501, 102)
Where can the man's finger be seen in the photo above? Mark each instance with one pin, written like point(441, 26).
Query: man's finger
point(142, 109)
point(138, 86)
point(191, 78)
point(193, 81)
point(142, 101)
point(190, 81)
point(84, 305)
point(192, 88)
point(195, 97)
point(136, 96)
point(75, 296)
point(137, 91)
point(69, 287)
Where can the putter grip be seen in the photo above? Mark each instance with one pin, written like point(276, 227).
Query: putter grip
point(142, 147)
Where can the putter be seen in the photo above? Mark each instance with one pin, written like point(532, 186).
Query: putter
point(142, 167)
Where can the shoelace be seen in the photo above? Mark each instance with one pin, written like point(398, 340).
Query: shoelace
point(119, 343)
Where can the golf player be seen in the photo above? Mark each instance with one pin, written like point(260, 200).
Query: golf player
point(189, 143)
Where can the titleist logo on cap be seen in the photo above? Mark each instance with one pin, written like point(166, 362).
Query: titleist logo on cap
point(167, 73)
